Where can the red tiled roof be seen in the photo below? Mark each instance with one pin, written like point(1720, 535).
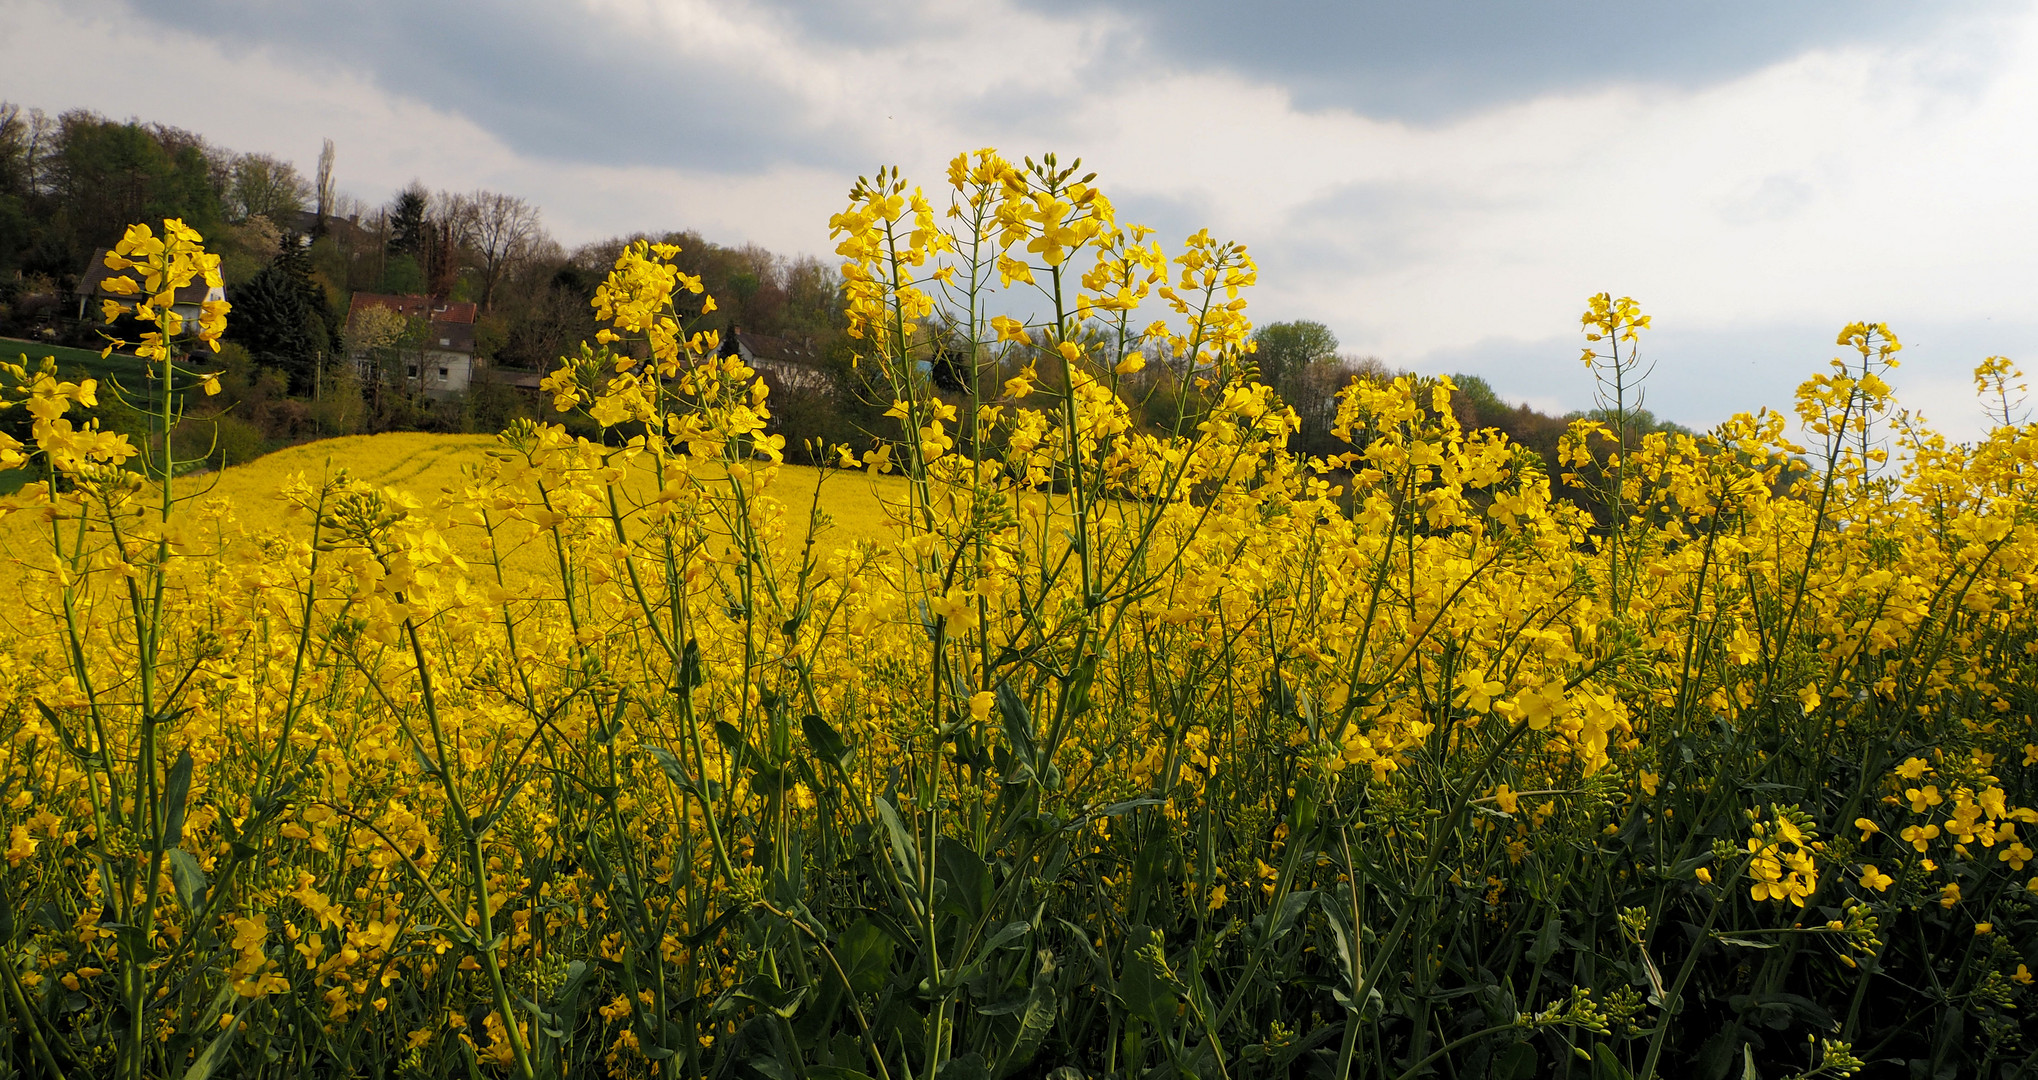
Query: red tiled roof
point(414, 307)
point(452, 324)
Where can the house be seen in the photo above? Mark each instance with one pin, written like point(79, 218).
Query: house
point(788, 364)
point(304, 224)
point(92, 289)
point(440, 361)
point(528, 383)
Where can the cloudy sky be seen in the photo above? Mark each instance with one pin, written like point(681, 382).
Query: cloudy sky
point(1443, 183)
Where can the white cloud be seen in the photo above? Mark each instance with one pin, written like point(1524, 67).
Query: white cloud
point(1837, 185)
point(1753, 217)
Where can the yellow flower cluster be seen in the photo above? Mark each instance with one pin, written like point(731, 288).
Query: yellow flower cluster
point(618, 718)
point(162, 265)
point(1781, 856)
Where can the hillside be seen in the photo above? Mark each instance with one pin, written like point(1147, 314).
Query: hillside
point(425, 466)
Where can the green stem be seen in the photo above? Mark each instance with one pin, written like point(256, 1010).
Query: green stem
point(21, 1008)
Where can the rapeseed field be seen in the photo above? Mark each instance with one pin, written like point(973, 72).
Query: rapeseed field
point(237, 505)
point(1041, 743)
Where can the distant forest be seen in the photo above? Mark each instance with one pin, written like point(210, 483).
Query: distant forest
point(295, 247)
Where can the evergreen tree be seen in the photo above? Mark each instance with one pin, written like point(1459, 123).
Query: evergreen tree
point(277, 317)
point(409, 223)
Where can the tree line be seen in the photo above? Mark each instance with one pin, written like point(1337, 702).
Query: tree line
point(295, 247)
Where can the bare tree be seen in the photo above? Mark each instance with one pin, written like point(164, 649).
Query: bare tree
point(326, 193)
point(15, 172)
point(500, 228)
point(26, 143)
point(449, 227)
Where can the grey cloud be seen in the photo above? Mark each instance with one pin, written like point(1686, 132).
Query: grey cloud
point(557, 83)
point(1436, 59)
point(550, 81)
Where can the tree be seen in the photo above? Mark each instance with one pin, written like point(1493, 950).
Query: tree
point(374, 328)
point(325, 191)
point(403, 276)
point(426, 228)
point(14, 150)
point(267, 187)
point(500, 228)
point(388, 348)
point(273, 321)
point(106, 176)
point(450, 228)
point(280, 316)
point(408, 221)
point(1286, 349)
point(1300, 361)
point(442, 256)
point(247, 249)
point(16, 184)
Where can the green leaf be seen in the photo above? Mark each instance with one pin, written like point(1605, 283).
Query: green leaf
point(176, 790)
point(1280, 699)
point(1292, 907)
point(1682, 870)
point(485, 825)
point(1007, 936)
point(865, 953)
point(669, 761)
point(1335, 938)
point(825, 740)
point(967, 1067)
point(903, 851)
point(690, 675)
point(779, 1000)
point(613, 725)
point(1607, 1067)
point(1517, 1062)
point(1117, 808)
point(1079, 684)
point(1547, 939)
point(968, 879)
point(1142, 986)
point(730, 736)
point(215, 1051)
point(56, 723)
point(189, 879)
point(1036, 1019)
point(1018, 723)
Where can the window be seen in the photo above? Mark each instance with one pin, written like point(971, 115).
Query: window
point(442, 373)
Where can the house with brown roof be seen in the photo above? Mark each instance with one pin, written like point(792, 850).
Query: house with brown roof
point(439, 359)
